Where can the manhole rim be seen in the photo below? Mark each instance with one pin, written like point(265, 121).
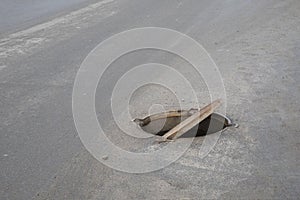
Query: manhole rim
point(227, 121)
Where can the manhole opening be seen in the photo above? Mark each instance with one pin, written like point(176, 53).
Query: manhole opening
point(159, 126)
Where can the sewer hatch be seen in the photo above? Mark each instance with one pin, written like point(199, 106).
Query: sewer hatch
point(159, 124)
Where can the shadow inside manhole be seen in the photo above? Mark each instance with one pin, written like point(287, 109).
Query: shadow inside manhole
point(160, 124)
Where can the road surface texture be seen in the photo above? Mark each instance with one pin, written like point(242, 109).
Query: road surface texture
point(19, 14)
point(256, 46)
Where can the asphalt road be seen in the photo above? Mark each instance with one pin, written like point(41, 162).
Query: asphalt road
point(17, 15)
point(256, 46)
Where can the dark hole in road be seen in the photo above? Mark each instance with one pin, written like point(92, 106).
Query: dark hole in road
point(212, 124)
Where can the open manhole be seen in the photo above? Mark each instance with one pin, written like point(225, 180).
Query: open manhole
point(159, 124)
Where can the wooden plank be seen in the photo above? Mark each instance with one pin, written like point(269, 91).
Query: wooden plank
point(165, 115)
point(192, 121)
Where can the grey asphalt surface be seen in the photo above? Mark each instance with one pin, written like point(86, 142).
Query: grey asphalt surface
point(256, 46)
point(20, 14)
